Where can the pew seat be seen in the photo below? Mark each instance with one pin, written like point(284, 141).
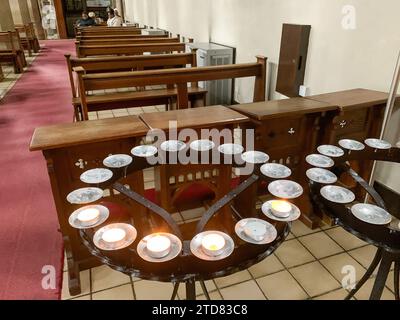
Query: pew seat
point(129, 99)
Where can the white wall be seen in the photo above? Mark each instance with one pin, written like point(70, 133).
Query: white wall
point(338, 58)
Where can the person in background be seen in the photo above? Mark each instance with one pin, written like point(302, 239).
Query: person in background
point(85, 21)
point(97, 19)
point(113, 20)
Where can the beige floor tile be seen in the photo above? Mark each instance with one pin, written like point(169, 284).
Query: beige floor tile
point(366, 290)
point(364, 255)
point(336, 263)
point(124, 292)
point(153, 290)
point(199, 291)
point(193, 213)
point(243, 291)
point(65, 266)
point(269, 265)
point(213, 296)
point(85, 285)
point(320, 245)
point(345, 239)
point(292, 253)
point(87, 297)
point(235, 278)
point(135, 111)
point(105, 278)
point(300, 229)
point(314, 278)
point(290, 236)
point(339, 294)
point(390, 281)
point(281, 286)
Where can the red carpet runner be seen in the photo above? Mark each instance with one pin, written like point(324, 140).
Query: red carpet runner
point(29, 239)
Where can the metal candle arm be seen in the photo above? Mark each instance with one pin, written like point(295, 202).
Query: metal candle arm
point(224, 201)
point(165, 215)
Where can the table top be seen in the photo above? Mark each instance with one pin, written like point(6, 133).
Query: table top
point(78, 133)
point(204, 117)
point(355, 98)
point(286, 107)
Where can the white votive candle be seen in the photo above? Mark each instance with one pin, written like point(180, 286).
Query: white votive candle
point(158, 246)
point(281, 208)
point(213, 244)
point(89, 216)
point(255, 230)
point(114, 236)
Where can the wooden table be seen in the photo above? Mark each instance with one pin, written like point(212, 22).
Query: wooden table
point(70, 150)
point(288, 130)
point(173, 180)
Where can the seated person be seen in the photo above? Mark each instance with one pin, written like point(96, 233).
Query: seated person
point(96, 19)
point(85, 21)
point(113, 20)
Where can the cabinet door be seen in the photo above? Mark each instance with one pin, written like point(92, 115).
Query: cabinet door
point(292, 59)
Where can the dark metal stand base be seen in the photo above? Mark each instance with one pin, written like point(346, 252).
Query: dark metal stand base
point(385, 259)
point(190, 290)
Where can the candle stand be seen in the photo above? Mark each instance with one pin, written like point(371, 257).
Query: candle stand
point(246, 236)
point(367, 220)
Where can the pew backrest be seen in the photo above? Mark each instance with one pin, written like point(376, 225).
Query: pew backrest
point(130, 49)
point(128, 63)
point(177, 77)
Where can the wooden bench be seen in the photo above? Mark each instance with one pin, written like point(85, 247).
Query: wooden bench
point(108, 30)
point(125, 63)
point(176, 77)
point(112, 42)
point(122, 36)
point(11, 50)
point(28, 37)
point(130, 49)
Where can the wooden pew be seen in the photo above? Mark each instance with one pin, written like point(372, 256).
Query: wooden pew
point(26, 41)
point(122, 36)
point(108, 30)
point(11, 50)
point(176, 77)
point(130, 49)
point(1, 74)
point(28, 37)
point(126, 63)
point(110, 41)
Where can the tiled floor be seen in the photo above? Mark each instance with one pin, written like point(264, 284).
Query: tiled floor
point(10, 78)
point(307, 266)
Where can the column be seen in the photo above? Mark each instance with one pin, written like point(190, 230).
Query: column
point(6, 18)
point(20, 11)
point(36, 17)
point(120, 8)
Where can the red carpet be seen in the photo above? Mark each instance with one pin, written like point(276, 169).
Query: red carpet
point(29, 239)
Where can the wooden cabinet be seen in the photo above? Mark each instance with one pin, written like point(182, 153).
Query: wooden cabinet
point(287, 130)
point(359, 116)
point(292, 59)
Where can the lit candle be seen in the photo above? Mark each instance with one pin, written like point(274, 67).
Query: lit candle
point(213, 244)
point(114, 236)
point(281, 209)
point(88, 216)
point(158, 246)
